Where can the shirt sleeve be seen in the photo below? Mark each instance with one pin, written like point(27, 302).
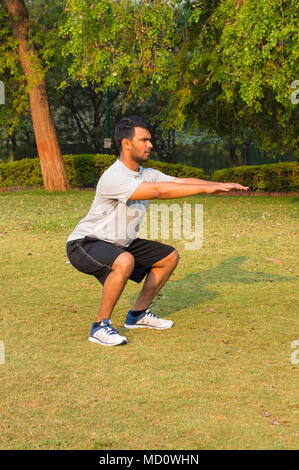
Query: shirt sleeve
point(120, 188)
point(157, 176)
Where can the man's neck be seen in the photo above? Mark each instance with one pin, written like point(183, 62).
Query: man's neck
point(134, 166)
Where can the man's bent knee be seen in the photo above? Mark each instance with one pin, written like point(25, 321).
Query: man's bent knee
point(124, 264)
point(169, 260)
point(175, 257)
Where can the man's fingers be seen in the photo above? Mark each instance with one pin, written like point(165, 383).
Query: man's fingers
point(238, 186)
point(231, 186)
point(225, 187)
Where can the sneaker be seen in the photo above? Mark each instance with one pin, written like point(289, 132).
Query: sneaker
point(105, 334)
point(147, 319)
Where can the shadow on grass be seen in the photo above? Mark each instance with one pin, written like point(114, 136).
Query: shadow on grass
point(295, 199)
point(194, 288)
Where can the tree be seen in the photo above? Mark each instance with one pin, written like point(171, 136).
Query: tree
point(77, 103)
point(52, 166)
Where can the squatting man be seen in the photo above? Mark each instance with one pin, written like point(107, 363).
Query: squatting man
point(104, 245)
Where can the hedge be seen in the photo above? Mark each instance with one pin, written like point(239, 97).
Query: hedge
point(280, 177)
point(21, 173)
point(83, 170)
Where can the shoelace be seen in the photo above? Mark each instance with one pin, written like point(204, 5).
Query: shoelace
point(151, 314)
point(109, 330)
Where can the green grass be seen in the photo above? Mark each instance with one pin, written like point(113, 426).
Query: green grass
point(222, 378)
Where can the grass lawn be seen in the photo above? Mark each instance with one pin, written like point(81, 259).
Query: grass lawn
point(222, 378)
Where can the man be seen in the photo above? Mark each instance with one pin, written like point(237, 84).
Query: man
point(105, 244)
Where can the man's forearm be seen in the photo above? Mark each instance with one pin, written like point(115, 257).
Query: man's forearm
point(173, 190)
point(192, 181)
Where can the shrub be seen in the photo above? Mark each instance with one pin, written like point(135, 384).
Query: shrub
point(83, 171)
point(26, 172)
point(281, 177)
point(175, 169)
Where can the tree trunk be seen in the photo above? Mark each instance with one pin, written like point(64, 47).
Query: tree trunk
point(232, 153)
point(245, 152)
point(52, 165)
point(172, 145)
point(14, 145)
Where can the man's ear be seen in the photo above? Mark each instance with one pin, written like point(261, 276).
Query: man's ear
point(126, 143)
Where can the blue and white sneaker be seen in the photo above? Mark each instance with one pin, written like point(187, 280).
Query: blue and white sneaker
point(147, 319)
point(103, 333)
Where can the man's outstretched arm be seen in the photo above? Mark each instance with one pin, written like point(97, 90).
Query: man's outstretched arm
point(191, 181)
point(172, 190)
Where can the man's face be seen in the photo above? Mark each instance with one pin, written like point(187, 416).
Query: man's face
point(140, 146)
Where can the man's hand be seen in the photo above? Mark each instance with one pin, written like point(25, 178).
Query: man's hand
point(225, 187)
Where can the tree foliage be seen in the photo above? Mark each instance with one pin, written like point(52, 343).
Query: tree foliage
point(223, 66)
point(226, 66)
point(245, 56)
point(125, 44)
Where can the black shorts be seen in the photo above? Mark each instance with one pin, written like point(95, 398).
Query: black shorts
point(95, 257)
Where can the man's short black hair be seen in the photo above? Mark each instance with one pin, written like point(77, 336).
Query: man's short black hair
point(125, 128)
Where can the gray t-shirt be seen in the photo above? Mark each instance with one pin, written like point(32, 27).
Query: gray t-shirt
point(112, 217)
